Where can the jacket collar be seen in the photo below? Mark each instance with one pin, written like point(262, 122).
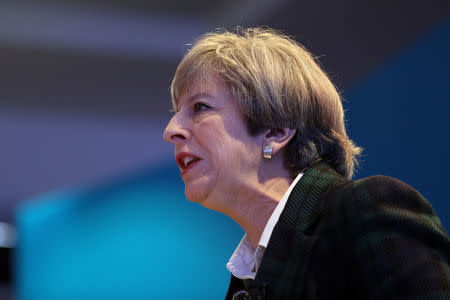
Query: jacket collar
point(302, 211)
point(308, 197)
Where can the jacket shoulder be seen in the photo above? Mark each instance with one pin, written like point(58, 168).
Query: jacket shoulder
point(392, 235)
point(383, 198)
point(383, 192)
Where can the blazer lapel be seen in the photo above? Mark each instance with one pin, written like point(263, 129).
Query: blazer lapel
point(287, 255)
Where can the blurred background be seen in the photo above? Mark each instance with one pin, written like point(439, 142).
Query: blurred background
point(91, 203)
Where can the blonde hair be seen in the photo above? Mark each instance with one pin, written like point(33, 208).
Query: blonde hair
point(276, 83)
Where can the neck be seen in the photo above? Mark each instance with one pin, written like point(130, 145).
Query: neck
point(254, 204)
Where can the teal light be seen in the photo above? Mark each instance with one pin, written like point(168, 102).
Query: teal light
point(134, 238)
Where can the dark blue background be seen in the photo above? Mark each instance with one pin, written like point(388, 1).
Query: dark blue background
point(400, 114)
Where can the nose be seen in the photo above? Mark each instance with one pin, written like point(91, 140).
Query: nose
point(175, 132)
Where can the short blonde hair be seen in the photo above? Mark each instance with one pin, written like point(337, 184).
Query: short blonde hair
point(276, 83)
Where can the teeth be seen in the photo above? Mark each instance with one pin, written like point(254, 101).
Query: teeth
point(187, 160)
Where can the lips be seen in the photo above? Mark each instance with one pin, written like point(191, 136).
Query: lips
point(186, 161)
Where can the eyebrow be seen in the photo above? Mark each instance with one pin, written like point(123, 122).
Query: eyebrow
point(196, 97)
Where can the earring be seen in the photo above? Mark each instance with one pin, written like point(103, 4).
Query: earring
point(267, 151)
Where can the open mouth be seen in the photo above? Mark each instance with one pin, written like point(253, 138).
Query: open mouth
point(186, 161)
point(189, 161)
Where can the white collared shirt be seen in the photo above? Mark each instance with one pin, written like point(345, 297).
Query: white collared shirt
point(245, 261)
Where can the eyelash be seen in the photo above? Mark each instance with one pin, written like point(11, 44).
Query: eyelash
point(199, 106)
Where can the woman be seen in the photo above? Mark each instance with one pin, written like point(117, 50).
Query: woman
point(259, 135)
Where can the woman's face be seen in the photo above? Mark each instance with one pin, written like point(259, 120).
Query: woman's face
point(213, 148)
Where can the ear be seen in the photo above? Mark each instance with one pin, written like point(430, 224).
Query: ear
point(279, 138)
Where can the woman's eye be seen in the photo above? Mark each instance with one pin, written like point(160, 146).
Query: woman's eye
point(200, 106)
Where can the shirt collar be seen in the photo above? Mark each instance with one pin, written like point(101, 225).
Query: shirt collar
point(245, 261)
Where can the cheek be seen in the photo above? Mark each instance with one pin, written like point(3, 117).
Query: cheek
point(213, 138)
point(230, 150)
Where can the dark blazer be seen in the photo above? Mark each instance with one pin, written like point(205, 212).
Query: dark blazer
point(374, 238)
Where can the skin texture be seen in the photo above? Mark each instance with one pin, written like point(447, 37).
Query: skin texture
point(231, 176)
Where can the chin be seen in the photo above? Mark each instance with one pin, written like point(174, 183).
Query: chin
point(200, 196)
point(198, 188)
point(194, 194)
